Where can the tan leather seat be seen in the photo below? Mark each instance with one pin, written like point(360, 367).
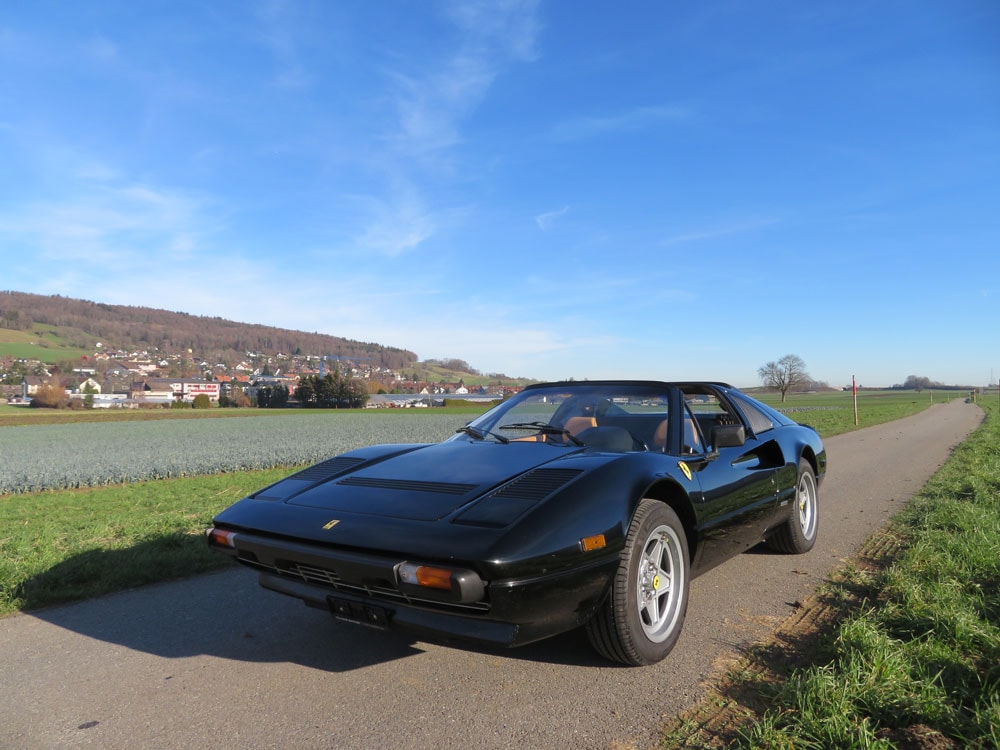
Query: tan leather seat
point(692, 443)
point(660, 436)
point(573, 426)
point(576, 425)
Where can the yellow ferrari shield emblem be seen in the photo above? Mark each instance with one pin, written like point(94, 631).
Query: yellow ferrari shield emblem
point(685, 468)
point(331, 524)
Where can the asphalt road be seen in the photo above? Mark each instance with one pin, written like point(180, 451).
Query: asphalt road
point(215, 661)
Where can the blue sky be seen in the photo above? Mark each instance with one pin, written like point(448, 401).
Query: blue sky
point(544, 189)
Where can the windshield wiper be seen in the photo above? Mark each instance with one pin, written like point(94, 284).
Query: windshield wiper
point(478, 435)
point(470, 430)
point(543, 427)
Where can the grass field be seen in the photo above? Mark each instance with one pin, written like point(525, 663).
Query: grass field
point(41, 343)
point(70, 456)
point(833, 413)
point(58, 546)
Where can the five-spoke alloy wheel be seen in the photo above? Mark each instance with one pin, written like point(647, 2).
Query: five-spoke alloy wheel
point(641, 619)
point(798, 533)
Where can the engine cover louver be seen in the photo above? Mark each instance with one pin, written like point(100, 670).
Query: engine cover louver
point(503, 506)
point(297, 483)
point(409, 485)
point(328, 468)
point(537, 484)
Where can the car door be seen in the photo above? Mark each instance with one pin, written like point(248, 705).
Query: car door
point(738, 482)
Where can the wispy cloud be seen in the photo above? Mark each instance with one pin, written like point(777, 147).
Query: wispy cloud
point(709, 234)
point(547, 219)
point(429, 108)
point(511, 25)
point(107, 222)
point(276, 32)
point(397, 227)
point(95, 171)
point(629, 121)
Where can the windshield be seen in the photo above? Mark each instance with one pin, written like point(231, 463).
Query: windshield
point(617, 417)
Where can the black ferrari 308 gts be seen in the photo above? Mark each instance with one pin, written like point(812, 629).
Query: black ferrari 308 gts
point(573, 504)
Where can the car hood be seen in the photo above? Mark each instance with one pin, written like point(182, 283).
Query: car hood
point(428, 483)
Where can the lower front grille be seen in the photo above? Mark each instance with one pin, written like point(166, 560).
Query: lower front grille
point(316, 575)
point(329, 579)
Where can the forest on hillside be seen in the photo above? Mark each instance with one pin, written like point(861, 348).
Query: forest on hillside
point(83, 324)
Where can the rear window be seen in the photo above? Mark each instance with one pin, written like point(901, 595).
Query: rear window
point(759, 421)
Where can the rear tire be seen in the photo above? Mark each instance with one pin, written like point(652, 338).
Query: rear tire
point(641, 619)
point(798, 534)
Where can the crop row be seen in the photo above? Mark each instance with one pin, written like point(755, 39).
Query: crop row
point(51, 457)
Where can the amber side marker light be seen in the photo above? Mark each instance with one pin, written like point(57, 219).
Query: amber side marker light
point(425, 575)
point(222, 538)
point(591, 543)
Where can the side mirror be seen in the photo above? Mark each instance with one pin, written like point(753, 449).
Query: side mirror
point(728, 436)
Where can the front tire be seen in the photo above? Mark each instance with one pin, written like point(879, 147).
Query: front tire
point(798, 534)
point(641, 619)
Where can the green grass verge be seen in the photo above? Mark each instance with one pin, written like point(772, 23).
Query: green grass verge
point(913, 656)
point(62, 546)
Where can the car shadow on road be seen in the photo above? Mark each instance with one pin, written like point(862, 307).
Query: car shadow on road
point(566, 649)
point(227, 615)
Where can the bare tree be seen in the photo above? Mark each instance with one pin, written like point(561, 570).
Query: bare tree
point(787, 373)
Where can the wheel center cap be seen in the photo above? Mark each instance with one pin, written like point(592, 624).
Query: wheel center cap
point(656, 583)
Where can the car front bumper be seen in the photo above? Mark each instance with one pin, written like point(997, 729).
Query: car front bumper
point(362, 588)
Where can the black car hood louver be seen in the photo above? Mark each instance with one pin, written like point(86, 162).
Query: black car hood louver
point(322, 471)
point(508, 503)
point(409, 485)
point(537, 485)
point(433, 482)
point(326, 469)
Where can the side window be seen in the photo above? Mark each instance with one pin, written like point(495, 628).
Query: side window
point(759, 421)
point(709, 410)
point(692, 434)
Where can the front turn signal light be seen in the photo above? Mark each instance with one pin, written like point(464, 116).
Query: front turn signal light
point(591, 543)
point(222, 538)
point(425, 575)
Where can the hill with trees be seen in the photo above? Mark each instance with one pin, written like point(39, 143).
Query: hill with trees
point(82, 324)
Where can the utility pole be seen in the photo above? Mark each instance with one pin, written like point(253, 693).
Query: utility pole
point(854, 388)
